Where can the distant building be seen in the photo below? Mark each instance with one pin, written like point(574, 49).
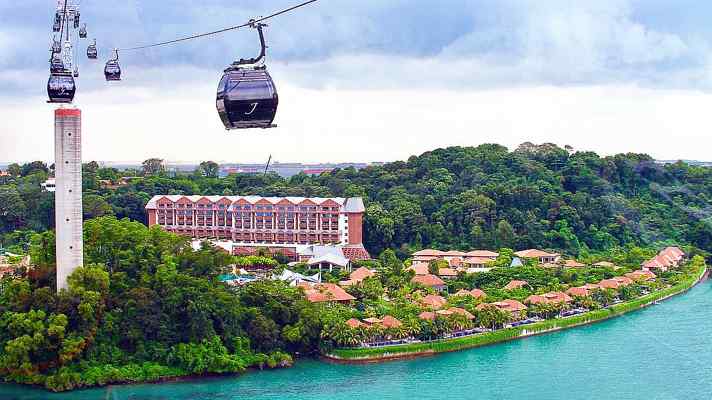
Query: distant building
point(303, 229)
point(543, 256)
point(49, 185)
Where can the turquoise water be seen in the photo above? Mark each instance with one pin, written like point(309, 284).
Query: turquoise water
point(662, 352)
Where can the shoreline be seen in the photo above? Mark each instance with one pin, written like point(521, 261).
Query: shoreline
point(409, 351)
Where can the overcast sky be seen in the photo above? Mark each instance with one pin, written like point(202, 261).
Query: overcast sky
point(374, 80)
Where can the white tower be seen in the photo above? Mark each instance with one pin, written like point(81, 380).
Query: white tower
point(68, 194)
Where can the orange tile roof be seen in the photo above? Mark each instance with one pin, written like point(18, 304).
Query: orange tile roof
point(477, 260)
point(478, 294)
point(578, 291)
point(354, 323)
point(326, 292)
point(428, 315)
point(391, 322)
point(510, 305)
point(428, 280)
point(453, 253)
point(428, 253)
point(482, 253)
point(573, 264)
point(434, 301)
point(372, 321)
point(515, 284)
point(623, 281)
point(609, 284)
point(447, 272)
point(591, 286)
point(444, 313)
point(461, 311)
point(419, 268)
point(534, 253)
point(641, 275)
point(361, 274)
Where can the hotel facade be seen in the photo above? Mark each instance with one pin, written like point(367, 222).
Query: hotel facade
point(254, 221)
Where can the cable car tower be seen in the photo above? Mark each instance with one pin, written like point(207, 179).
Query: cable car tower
point(61, 88)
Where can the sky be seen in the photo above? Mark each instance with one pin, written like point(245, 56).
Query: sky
point(373, 80)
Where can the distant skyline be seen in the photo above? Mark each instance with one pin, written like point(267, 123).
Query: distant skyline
point(376, 81)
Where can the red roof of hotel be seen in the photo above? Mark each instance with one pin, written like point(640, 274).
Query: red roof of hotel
point(428, 280)
point(549, 298)
point(455, 262)
point(515, 284)
point(355, 252)
point(623, 280)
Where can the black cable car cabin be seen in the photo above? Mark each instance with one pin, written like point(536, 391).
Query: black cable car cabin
point(92, 52)
point(112, 70)
point(61, 87)
point(246, 96)
point(83, 31)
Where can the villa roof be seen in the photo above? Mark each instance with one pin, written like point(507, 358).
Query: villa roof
point(515, 284)
point(475, 260)
point(461, 311)
point(455, 253)
point(482, 253)
point(623, 280)
point(591, 286)
point(325, 292)
point(447, 272)
point(420, 268)
point(354, 323)
point(549, 298)
point(391, 322)
point(428, 253)
point(434, 301)
point(604, 264)
point(609, 284)
point(361, 274)
point(510, 305)
point(428, 280)
point(372, 321)
point(641, 275)
point(578, 291)
point(534, 253)
point(427, 315)
point(573, 264)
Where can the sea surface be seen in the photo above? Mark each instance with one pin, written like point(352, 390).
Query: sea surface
point(661, 352)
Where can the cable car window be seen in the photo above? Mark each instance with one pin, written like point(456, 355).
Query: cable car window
point(250, 90)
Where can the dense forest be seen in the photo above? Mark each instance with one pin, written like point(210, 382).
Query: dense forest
point(461, 198)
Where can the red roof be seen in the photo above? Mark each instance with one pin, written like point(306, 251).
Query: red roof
point(510, 305)
point(609, 284)
point(461, 311)
point(354, 323)
point(447, 272)
point(391, 322)
point(419, 268)
point(482, 253)
point(577, 291)
point(515, 285)
point(477, 260)
point(434, 301)
point(534, 253)
point(453, 253)
point(361, 274)
point(428, 280)
point(428, 253)
point(326, 292)
point(355, 252)
point(573, 264)
point(641, 275)
point(429, 315)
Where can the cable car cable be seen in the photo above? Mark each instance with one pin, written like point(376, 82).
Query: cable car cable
point(183, 39)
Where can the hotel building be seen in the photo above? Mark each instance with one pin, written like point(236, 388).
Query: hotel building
point(278, 223)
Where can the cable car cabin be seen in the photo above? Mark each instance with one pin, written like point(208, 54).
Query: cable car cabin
point(83, 31)
point(56, 65)
point(61, 87)
point(247, 98)
point(92, 53)
point(112, 70)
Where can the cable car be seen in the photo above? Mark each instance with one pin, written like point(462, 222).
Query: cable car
point(61, 87)
point(56, 46)
point(246, 95)
point(57, 23)
point(56, 65)
point(83, 31)
point(92, 52)
point(112, 70)
point(76, 72)
point(76, 20)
